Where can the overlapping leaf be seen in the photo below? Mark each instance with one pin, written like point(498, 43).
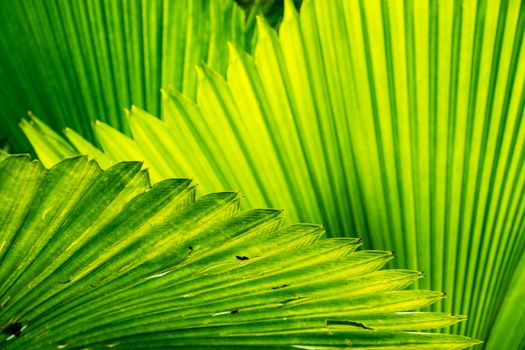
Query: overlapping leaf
point(101, 259)
point(72, 62)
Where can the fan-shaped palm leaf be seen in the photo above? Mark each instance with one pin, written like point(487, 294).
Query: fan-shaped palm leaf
point(100, 259)
point(399, 121)
point(72, 62)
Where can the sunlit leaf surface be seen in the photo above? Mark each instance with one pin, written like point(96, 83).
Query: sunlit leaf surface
point(400, 122)
point(100, 259)
point(72, 62)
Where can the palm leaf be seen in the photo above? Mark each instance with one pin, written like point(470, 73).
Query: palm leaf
point(74, 62)
point(101, 259)
point(401, 122)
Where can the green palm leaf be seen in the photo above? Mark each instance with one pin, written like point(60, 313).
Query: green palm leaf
point(74, 62)
point(401, 122)
point(101, 259)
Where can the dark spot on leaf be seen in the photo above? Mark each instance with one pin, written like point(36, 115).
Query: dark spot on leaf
point(242, 257)
point(295, 298)
point(234, 311)
point(347, 323)
point(13, 329)
point(281, 286)
point(190, 248)
point(64, 282)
